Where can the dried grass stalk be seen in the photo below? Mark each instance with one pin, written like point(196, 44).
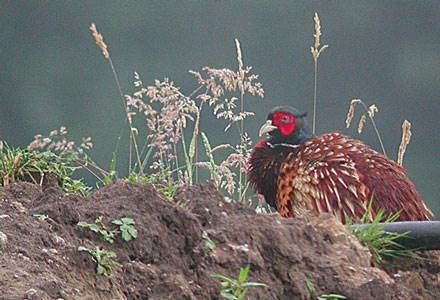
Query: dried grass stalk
point(99, 39)
point(221, 147)
point(370, 111)
point(350, 113)
point(17, 160)
point(6, 180)
point(406, 138)
point(316, 50)
point(361, 124)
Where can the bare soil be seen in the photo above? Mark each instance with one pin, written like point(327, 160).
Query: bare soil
point(169, 258)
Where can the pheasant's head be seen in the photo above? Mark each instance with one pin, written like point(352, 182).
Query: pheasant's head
point(287, 125)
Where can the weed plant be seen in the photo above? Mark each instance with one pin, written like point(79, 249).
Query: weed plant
point(33, 165)
point(382, 244)
point(125, 227)
point(99, 227)
point(105, 260)
point(236, 289)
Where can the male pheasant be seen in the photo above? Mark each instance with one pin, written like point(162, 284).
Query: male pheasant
point(296, 172)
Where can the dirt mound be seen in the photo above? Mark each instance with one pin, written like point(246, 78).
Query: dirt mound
point(169, 258)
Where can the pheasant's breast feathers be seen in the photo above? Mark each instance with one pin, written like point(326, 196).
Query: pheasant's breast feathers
point(322, 176)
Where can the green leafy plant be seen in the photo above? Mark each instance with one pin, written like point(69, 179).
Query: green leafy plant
point(112, 174)
point(33, 165)
point(99, 227)
point(104, 259)
point(213, 168)
point(310, 287)
point(127, 229)
point(233, 289)
point(208, 244)
point(380, 243)
point(162, 182)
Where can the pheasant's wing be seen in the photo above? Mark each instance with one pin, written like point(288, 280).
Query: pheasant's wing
point(390, 187)
point(322, 176)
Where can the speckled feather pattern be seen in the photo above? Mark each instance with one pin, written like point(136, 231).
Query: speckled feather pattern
point(336, 174)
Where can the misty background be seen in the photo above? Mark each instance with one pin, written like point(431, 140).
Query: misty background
point(388, 53)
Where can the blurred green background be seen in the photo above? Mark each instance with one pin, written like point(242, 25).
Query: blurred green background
point(387, 53)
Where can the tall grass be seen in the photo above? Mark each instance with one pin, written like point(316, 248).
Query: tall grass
point(170, 116)
point(316, 51)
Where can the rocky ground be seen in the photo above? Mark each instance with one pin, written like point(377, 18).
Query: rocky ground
point(171, 257)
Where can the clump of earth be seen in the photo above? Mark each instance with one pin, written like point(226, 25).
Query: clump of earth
point(181, 243)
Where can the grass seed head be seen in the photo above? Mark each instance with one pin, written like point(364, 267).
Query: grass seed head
point(318, 32)
point(406, 138)
point(239, 55)
point(372, 110)
point(316, 50)
point(99, 39)
point(361, 124)
point(350, 113)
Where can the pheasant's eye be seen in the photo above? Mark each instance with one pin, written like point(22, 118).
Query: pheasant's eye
point(285, 119)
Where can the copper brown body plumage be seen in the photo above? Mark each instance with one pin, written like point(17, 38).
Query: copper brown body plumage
point(330, 173)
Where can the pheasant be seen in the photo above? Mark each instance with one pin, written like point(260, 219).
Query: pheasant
point(330, 173)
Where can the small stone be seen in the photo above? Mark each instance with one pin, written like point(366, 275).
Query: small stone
point(63, 295)
point(23, 257)
point(228, 200)
point(3, 240)
point(32, 294)
point(58, 240)
point(19, 206)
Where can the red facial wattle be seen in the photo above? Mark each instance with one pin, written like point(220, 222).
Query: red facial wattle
point(285, 122)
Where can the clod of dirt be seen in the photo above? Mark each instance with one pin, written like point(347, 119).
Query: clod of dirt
point(170, 259)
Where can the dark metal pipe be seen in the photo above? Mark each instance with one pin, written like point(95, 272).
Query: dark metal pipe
point(423, 235)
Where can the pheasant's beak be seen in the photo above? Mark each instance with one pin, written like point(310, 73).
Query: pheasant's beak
point(267, 127)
